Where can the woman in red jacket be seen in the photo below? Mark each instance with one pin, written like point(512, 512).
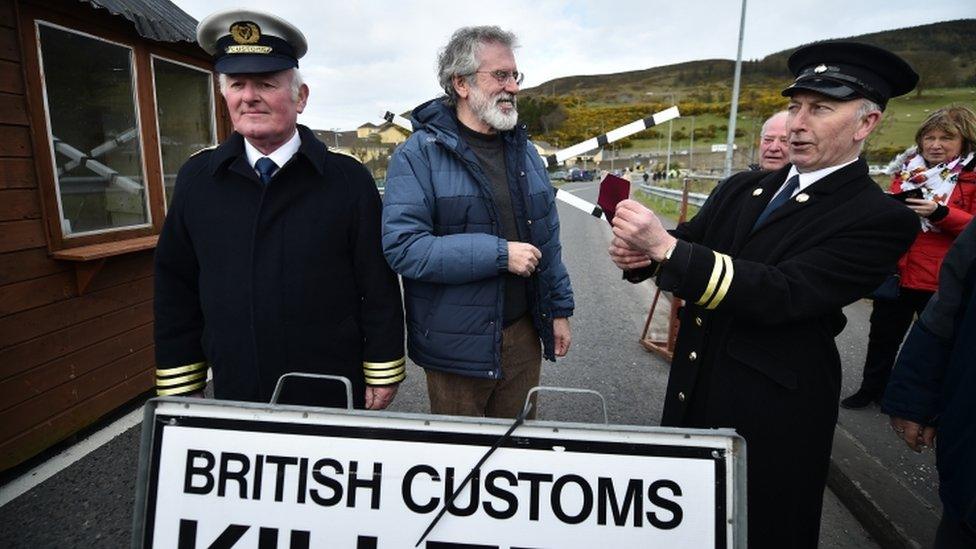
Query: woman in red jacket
point(941, 169)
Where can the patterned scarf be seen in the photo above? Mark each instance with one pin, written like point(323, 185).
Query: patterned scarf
point(937, 182)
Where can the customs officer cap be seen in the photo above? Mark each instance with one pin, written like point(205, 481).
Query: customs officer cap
point(848, 70)
point(244, 41)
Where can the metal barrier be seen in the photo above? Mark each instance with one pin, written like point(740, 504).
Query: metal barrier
point(695, 199)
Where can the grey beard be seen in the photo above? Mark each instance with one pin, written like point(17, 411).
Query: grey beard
point(488, 111)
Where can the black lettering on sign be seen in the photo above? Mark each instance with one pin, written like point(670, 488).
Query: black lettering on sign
point(372, 484)
point(366, 542)
point(449, 545)
point(302, 479)
point(494, 490)
point(192, 470)
point(237, 473)
point(664, 503)
point(607, 498)
point(267, 537)
point(534, 480)
point(281, 464)
point(187, 538)
point(327, 481)
point(555, 499)
point(300, 539)
point(407, 493)
point(473, 490)
point(258, 476)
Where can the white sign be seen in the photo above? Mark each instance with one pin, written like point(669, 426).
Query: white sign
point(235, 475)
point(723, 147)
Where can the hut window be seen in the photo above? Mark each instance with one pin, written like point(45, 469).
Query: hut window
point(185, 114)
point(89, 93)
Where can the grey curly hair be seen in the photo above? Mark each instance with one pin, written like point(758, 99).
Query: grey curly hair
point(460, 56)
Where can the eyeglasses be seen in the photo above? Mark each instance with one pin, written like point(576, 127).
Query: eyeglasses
point(502, 76)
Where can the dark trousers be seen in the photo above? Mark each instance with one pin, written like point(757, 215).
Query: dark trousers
point(890, 321)
point(953, 535)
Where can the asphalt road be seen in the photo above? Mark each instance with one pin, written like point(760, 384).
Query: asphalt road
point(89, 504)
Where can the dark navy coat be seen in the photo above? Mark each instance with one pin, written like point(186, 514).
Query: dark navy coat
point(442, 234)
point(934, 379)
point(755, 351)
point(258, 281)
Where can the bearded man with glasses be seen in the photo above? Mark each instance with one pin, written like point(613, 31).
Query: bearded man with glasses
point(470, 222)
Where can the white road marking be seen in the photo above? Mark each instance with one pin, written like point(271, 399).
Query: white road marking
point(56, 464)
point(29, 480)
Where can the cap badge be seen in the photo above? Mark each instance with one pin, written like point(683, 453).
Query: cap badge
point(820, 68)
point(245, 32)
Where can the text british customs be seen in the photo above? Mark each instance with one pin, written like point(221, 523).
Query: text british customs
point(247, 475)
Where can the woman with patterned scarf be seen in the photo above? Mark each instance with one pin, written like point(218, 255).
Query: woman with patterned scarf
point(940, 169)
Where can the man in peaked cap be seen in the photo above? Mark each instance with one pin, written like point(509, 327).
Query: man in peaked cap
point(270, 260)
point(765, 268)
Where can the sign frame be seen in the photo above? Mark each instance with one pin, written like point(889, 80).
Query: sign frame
point(724, 446)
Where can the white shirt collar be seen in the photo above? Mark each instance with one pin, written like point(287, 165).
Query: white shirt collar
point(281, 155)
point(809, 178)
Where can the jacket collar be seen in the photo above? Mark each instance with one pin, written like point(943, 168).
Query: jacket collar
point(233, 148)
point(845, 179)
point(312, 149)
point(439, 118)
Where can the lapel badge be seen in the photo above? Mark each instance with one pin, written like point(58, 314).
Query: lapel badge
point(802, 197)
point(245, 32)
point(820, 68)
point(758, 191)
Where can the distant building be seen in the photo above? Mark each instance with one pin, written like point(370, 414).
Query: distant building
point(341, 141)
point(392, 134)
point(371, 150)
point(385, 133)
point(366, 130)
point(543, 148)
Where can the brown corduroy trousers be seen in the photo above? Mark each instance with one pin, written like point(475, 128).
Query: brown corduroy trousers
point(459, 395)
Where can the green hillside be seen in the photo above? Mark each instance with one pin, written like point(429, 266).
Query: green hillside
point(566, 110)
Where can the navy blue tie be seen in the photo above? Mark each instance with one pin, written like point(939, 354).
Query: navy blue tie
point(265, 167)
point(791, 186)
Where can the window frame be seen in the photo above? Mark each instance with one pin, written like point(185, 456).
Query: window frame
point(133, 80)
point(159, 138)
point(117, 32)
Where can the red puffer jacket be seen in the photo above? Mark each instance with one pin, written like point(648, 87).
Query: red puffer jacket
point(919, 267)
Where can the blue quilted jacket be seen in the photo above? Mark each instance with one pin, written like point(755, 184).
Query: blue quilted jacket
point(442, 234)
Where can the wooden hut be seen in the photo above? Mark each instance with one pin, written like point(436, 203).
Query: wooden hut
point(101, 101)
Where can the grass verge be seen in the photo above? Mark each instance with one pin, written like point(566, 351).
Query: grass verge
point(662, 206)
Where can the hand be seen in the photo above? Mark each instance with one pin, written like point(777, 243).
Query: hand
point(641, 229)
point(379, 397)
point(626, 258)
point(562, 334)
point(922, 207)
point(916, 436)
point(523, 258)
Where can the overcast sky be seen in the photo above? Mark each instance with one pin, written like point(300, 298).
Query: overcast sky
point(367, 57)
